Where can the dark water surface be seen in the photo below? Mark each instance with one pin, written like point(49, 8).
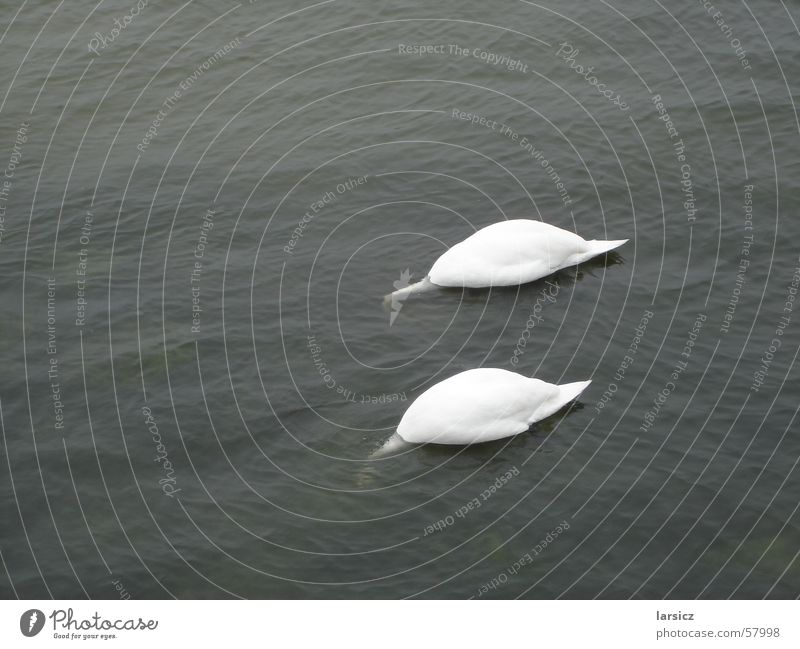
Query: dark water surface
point(201, 217)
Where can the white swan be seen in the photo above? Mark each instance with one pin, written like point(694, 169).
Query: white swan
point(482, 405)
point(509, 253)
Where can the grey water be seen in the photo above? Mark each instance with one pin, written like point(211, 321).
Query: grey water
point(204, 204)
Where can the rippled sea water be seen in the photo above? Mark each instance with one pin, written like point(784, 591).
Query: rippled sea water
point(203, 210)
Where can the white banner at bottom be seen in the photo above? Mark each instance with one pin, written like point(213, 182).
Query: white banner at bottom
point(400, 624)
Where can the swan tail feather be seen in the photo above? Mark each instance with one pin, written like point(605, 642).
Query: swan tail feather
point(566, 393)
point(599, 247)
point(571, 391)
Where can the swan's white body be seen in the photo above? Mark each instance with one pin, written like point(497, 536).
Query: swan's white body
point(509, 253)
point(482, 405)
point(513, 252)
